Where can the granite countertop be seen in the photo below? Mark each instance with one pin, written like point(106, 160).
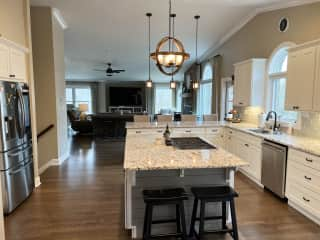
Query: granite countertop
point(150, 125)
point(150, 153)
point(305, 144)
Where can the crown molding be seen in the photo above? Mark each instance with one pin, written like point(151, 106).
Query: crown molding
point(58, 16)
point(248, 18)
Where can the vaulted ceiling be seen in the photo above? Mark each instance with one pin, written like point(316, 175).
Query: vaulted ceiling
point(116, 31)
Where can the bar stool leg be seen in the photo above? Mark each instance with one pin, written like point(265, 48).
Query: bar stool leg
point(145, 221)
point(193, 217)
point(224, 215)
point(234, 220)
point(202, 216)
point(149, 222)
point(183, 221)
point(178, 218)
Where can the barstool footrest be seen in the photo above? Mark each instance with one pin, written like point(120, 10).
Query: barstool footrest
point(210, 218)
point(167, 235)
point(164, 221)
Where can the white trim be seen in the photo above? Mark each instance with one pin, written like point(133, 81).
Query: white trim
point(53, 162)
point(253, 179)
point(13, 44)
point(58, 16)
point(248, 18)
point(223, 99)
point(37, 181)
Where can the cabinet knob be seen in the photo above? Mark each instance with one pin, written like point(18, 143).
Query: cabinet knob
point(307, 178)
point(240, 103)
point(305, 199)
point(247, 145)
point(309, 160)
point(12, 75)
point(138, 131)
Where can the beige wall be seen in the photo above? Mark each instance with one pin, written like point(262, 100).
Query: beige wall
point(260, 36)
point(43, 62)
point(48, 58)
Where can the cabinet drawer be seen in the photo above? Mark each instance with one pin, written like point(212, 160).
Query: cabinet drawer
point(213, 131)
point(304, 176)
point(305, 159)
point(189, 130)
point(305, 198)
point(144, 131)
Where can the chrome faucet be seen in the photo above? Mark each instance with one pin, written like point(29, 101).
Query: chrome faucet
point(275, 119)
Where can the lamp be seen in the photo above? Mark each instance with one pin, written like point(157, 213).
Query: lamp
point(175, 56)
point(149, 81)
point(173, 84)
point(83, 108)
point(195, 84)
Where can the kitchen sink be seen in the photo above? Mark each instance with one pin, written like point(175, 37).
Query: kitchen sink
point(261, 131)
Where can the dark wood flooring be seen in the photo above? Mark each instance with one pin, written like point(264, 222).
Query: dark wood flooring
point(83, 199)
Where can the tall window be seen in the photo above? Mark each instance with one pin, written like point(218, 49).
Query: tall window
point(163, 99)
point(77, 95)
point(204, 97)
point(229, 97)
point(278, 78)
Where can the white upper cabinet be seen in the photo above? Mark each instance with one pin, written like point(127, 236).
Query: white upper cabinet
point(13, 64)
point(301, 78)
point(4, 61)
point(249, 82)
point(17, 64)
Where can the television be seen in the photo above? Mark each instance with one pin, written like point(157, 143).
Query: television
point(125, 96)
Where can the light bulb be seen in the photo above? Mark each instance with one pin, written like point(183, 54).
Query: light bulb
point(172, 84)
point(149, 83)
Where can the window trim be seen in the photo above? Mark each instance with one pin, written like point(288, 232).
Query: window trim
point(270, 77)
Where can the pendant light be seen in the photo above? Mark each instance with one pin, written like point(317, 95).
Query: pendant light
point(174, 57)
point(173, 84)
point(149, 81)
point(195, 84)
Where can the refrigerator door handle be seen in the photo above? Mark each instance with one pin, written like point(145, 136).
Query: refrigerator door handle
point(17, 170)
point(23, 112)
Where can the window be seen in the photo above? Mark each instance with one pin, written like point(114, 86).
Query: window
point(179, 98)
point(163, 98)
point(278, 78)
point(78, 95)
point(229, 97)
point(204, 96)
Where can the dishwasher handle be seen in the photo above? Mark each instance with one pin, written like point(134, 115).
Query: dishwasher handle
point(274, 146)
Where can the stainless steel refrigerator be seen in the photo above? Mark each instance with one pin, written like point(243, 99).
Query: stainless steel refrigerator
point(16, 163)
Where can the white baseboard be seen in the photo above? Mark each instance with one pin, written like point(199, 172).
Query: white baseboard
point(304, 212)
point(253, 179)
point(37, 181)
point(53, 162)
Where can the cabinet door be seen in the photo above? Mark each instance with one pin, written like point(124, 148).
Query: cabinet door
point(301, 78)
point(243, 75)
point(255, 159)
point(18, 64)
point(4, 61)
point(316, 93)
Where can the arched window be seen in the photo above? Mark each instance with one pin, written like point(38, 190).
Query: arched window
point(278, 76)
point(204, 96)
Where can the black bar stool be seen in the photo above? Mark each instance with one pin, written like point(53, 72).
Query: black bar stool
point(165, 197)
point(205, 195)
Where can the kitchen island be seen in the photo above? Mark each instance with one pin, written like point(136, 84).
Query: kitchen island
point(150, 164)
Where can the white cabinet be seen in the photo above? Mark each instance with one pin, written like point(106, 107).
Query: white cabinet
point(17, 64)
point(303, 183)
point(301, 78)
point(13, 64)
point(216, 136)
point(249, 82)
point(4, 61)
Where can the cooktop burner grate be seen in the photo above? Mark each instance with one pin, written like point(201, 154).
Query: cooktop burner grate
point(186, 143)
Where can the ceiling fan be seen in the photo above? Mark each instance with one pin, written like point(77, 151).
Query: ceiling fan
point(109, 71)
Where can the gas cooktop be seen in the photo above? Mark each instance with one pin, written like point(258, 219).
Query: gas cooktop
point(185, 143)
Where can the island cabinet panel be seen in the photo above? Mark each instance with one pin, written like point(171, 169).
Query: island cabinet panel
point(170, 179)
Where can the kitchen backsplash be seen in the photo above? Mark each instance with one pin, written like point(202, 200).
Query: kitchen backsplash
point(308, 124)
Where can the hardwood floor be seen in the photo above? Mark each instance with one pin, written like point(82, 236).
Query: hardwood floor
point(83, 199)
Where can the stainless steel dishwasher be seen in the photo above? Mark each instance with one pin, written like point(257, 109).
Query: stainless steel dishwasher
point(274, 164)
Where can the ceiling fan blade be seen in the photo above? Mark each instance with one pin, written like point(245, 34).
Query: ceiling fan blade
point(118, 71)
